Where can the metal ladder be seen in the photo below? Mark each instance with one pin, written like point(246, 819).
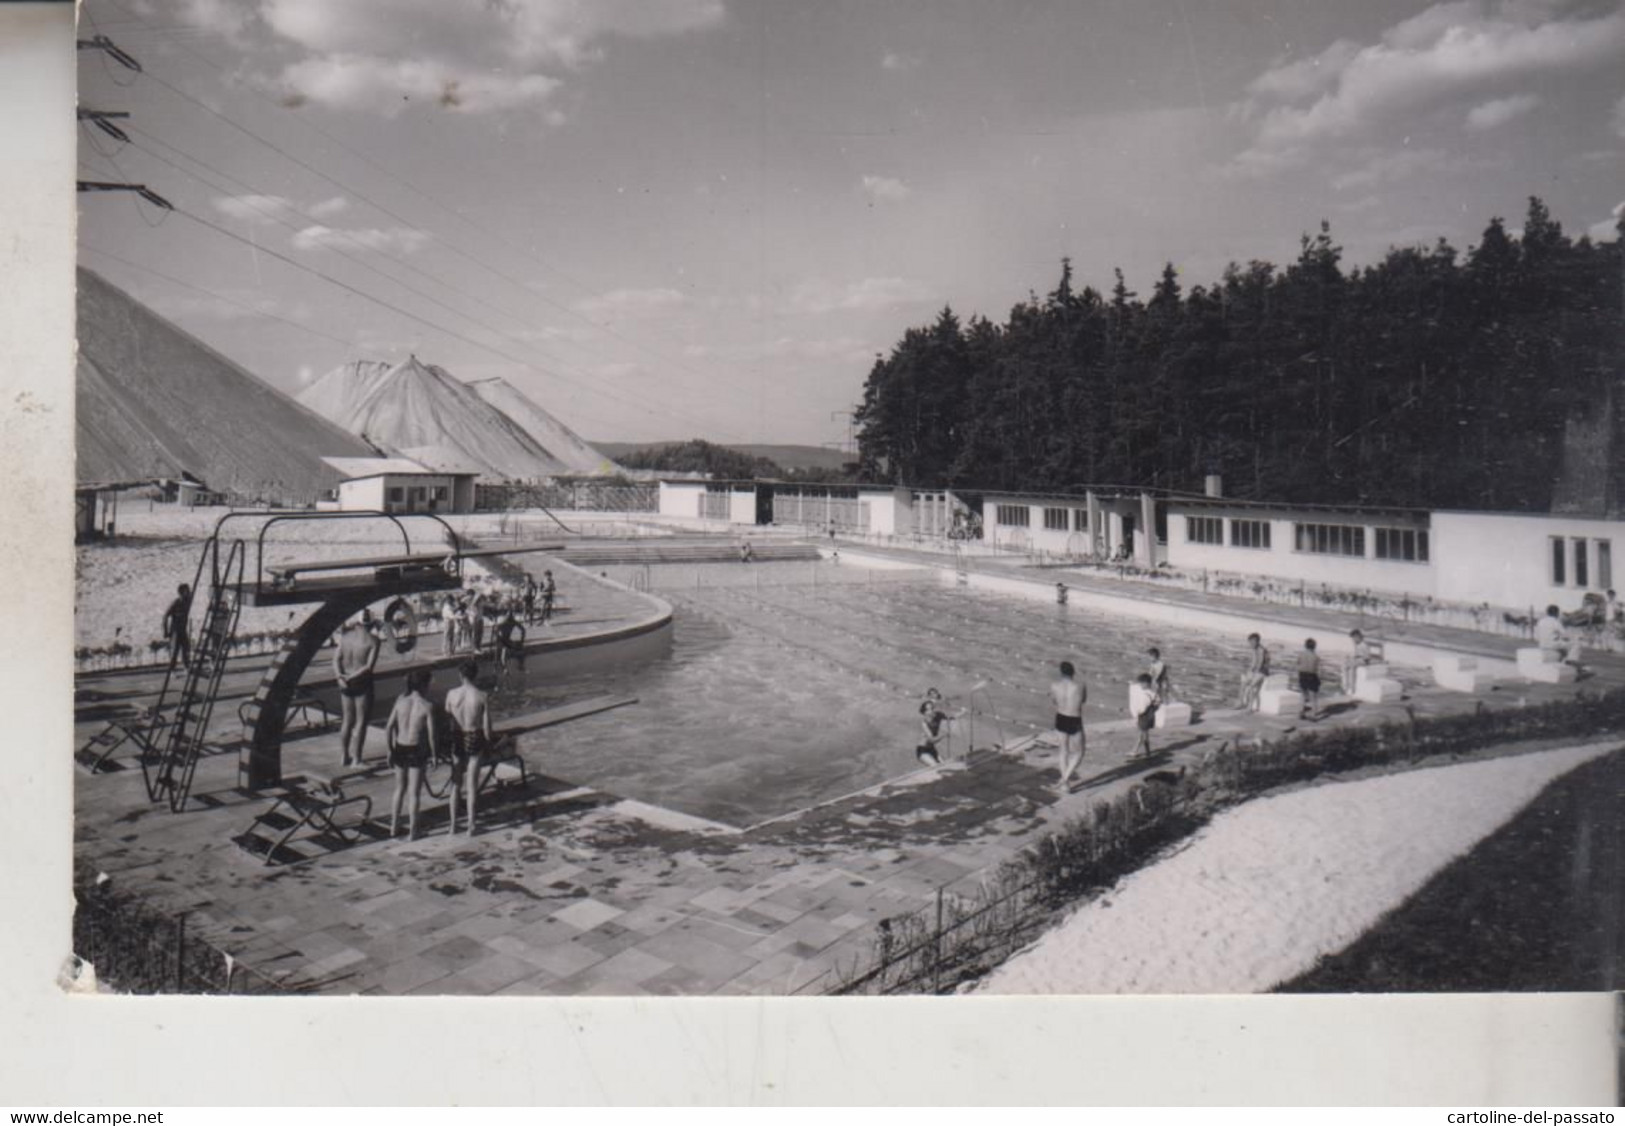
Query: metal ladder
point(183, 730)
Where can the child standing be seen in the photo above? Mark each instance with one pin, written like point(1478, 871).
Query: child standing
point(1309, 680)
point(1158, 672)
point(1142, 705)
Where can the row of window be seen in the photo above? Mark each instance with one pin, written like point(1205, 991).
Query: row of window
point(1407, 544)
point(420, 493)
point(1055, 519)
point(1572, 558)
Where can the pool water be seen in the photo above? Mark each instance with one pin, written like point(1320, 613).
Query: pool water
point(788, 685)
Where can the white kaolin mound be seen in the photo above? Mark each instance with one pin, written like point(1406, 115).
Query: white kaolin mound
point(418, 406)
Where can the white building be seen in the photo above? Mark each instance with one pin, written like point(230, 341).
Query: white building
point(398, 484)
point(1100, 525)
point(1508, 560)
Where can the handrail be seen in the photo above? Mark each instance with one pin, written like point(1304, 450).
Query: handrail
point(272, 517)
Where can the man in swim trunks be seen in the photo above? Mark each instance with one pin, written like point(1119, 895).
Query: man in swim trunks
point(471, 738)
point(528, 596)
point(353, 662)
point(177, 628)
point(410, 734)
point(1068, 695)
point(1258, 668)
point(510, 639)
point(549, 590)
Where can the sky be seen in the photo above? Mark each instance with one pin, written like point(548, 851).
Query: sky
point(665, 219)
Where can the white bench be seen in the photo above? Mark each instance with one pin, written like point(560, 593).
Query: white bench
point(1373, 685)
point(1462, 674)
point(1545, 666)
point(1278, 697)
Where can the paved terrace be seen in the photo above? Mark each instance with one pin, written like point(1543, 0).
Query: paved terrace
point(568, 890)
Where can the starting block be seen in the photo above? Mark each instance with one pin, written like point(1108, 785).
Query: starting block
point(1278, 697)
point(1174, 714)
point(1461, 674)
point(1373, 685)
point(1546, 666)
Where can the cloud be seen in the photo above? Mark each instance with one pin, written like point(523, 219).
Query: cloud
point(400, 239)
point(487, 57)
point(1608, 229)
point(1451, 51)
point(1386, 168)
point(327, 208)
point(263, 210)
point(898, 60)
point(885, 189)
point(848, 349)
point(1493, 114)
point(868, 295)
point(621, 304)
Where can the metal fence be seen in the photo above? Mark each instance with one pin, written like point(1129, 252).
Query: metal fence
point(136, 948)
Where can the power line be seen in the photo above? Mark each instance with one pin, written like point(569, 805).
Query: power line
point(452, 247)
point(408, 315)
point(216, 294)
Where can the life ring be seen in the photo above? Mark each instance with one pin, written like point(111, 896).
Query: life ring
point(402, 624)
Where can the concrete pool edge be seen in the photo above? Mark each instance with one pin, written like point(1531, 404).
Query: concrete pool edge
point(1151, 609)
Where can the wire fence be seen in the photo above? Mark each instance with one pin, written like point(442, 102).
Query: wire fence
point(135, 947)
point(958, 938)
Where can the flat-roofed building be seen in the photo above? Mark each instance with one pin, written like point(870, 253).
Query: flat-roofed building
point(398, 484)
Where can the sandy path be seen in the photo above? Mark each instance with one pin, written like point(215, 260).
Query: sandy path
point(1255, 897)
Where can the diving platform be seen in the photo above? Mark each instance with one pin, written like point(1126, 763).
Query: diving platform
point(376, 576)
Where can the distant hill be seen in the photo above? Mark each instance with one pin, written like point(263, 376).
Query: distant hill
point(152, 400)
point(487, 426)
point(787, 456)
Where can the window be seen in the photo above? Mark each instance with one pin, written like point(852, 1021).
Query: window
point(1204, 529)
point(1013, 515)
point(397, 494)
point(1407, 544)
point(1250, 533)
point(1330, 539)
point(1559, 571)
point(1055, 519)
point(438, 492)
point(1605, 564)
point(1080, 519)
point(1581, 576)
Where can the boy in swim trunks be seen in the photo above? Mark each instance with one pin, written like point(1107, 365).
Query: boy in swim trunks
point(1161, 682)
point(177, 629)
point(1068, 696)
point(1309, 680)
point(1258, 668)
point(1142, 705)
point(471, 738)
point(353, 662)
point(410, 734)
point(510, 639)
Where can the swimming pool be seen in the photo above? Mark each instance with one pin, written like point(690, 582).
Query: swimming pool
point(790, 684)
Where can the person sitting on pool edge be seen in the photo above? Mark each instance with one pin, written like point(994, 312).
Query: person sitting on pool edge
point(471, 738)
point(410, 735)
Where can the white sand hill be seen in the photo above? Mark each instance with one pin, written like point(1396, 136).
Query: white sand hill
point(1265, 889)
point(415, 406)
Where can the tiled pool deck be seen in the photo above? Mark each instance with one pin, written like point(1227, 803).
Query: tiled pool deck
point(567, 890)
